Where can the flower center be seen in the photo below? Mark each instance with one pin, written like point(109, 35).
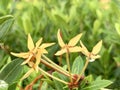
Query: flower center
point(66, 46)
point(33, 56)
point(90, 57)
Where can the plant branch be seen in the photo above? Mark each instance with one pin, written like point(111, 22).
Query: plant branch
point(45, 73)
point(57, 69)
point(68, 65)
point(57, 66)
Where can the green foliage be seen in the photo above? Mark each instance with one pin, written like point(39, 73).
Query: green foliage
point(115, 85)
point(58, 85)
point(97, 84)
point(11, 72)
point(5, 24)
point(77, 65)
point(96, 19)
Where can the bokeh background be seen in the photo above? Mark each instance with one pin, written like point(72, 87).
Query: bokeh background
point(96, 19)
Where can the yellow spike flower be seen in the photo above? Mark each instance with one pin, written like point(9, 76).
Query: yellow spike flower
point(70, 47)
point(33, 56)
point(94, 54)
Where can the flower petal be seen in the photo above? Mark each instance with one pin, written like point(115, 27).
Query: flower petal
point(62, 51)
point(22, 55)
point(75, 49)
point(38, 58)
point(97, 47)
point(37, 45)
point(60, 41)
point(31, 64)
point(74, 40)
point(44, 51)
point(27, 74)
point(95, 56)
point(27, 60)
point(38, 42)
point(45, 45)
point(84, 49)
point(30, 43)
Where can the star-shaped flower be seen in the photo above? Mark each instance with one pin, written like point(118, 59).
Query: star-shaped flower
point(70, 47)
point(32, 53)
point(33, 56)
point(94, 54)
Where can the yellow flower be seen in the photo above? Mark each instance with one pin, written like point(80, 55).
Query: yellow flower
point(33, 56)
point(32, 53)
point(94, 54)
point(70, 47)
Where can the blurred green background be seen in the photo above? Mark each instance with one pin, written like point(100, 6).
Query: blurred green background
point(96, 19)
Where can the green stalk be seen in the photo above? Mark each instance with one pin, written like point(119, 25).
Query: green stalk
point(68, 64)
point(42, 71)
point(57, 66)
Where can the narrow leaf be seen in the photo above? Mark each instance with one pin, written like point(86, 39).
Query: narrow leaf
point(117, 26)
point(5, 25)
point(4, 18)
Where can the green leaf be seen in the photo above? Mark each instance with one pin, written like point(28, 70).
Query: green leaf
point(99, 14)
point(12, 86)
point(27, 23)
point(85, 81)
point(117, 26)
point(117, 60)
point(89, 78)
point(5, 24)
point(115, 85)
point(3, 61)
point(44, 86)
point(4, 4)
point(60, 21)
point(96, 26)
point(3, 85)
point(4, 18)
point(58, 85)
point(77, 65)
point(98, 84)
point(12, 71)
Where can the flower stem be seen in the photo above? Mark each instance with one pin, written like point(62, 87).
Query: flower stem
point(83, 70)
point(50, 61)
point(42, 71)
point(68, 64)
point(52, 66)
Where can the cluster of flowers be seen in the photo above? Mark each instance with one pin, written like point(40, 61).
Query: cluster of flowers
point(36, 52)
